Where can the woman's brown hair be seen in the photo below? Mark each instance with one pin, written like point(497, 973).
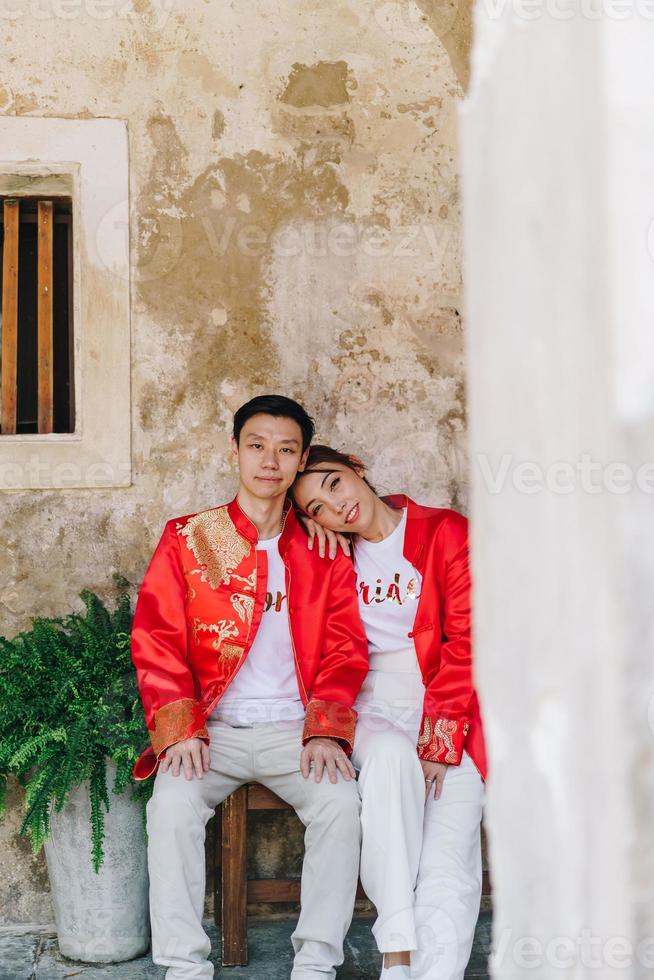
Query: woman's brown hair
point(322, 458)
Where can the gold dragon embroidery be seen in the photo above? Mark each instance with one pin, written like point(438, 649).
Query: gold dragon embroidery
point(249, 581)
point(216, 545)
point(225, 628)
point(436, 740)
point(229, 651)
point(171, 724)
point(244, 606)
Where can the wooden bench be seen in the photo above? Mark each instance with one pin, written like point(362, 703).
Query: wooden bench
point(236, 890)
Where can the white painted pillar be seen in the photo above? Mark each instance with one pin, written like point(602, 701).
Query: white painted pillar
point(557, 145)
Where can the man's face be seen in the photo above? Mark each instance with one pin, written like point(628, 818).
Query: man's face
point(269, 455)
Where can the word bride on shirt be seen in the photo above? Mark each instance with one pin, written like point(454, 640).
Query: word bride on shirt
point(395, 592)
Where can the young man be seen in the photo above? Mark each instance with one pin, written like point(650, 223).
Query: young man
point(250, 653)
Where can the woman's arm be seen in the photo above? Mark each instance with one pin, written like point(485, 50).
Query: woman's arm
point(450, 694)
point(327, 540)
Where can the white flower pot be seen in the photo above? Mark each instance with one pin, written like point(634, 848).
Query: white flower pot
point(101, 918)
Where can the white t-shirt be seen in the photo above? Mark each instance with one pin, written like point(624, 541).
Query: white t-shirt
point(389, 588)
point(265, 688)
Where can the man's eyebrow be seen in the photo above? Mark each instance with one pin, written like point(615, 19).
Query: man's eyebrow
point(255, 435)
point(322, 483)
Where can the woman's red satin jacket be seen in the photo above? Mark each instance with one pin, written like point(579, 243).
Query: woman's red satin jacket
point(199, 609)
point(436, 544)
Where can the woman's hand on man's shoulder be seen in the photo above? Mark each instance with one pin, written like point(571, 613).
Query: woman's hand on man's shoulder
point(328, 541)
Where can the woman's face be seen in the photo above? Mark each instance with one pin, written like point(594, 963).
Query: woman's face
point(336, 497)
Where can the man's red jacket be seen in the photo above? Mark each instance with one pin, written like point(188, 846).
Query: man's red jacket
point(198, 612)
point(436, 544)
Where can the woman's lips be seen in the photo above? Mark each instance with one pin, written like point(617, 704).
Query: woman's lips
point(352, 514)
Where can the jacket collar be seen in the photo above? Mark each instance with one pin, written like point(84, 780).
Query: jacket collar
point(248, 530)
point(414, 537)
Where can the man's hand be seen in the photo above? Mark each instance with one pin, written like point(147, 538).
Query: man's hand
point(434, 773)
point(325, 538)
point(325, 753)
point(191, 754)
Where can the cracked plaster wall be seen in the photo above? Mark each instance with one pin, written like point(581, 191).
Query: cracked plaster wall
point(294, 226)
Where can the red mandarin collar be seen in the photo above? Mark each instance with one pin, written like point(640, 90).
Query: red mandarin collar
point(414, 543)
point(245, 527)
point(396, 500)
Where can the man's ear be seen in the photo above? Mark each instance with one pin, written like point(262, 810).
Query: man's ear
point(234, 446)
point(303, 461)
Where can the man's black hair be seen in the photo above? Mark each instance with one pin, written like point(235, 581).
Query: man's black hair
point(280, 407)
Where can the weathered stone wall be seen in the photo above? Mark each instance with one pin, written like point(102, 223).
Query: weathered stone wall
point(294, 225)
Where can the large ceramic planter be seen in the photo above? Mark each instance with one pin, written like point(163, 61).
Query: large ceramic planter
point(101, 918)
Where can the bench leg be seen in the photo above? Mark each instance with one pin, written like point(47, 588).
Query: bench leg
point(234, 883)
point(216, 877)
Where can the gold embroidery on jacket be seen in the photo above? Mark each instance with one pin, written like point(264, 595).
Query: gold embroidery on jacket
point(216, 544)
point(225, 628)
point(244, 606)
point(249, 581)
point(190, 591)
point(436, 741)
point(171, 723)
point(330, 719)
point(229, 651)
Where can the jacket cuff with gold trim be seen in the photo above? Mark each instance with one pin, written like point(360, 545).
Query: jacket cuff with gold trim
point(329, 719)
point(442, 739)
point(176, 721)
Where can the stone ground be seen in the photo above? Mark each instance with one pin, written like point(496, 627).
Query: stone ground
point(35, 956)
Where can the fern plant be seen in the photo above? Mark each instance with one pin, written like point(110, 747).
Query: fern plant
point(70, 702)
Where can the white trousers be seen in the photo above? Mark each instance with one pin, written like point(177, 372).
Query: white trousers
point(177, 815)
point(420, 860)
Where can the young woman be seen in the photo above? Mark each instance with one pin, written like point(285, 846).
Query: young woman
point(419, 744)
